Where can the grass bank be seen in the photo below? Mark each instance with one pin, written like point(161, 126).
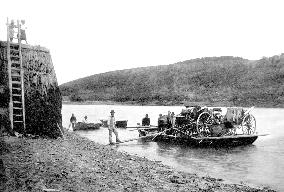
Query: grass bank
point(78, 164)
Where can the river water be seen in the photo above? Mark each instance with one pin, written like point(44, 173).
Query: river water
point(260, 164)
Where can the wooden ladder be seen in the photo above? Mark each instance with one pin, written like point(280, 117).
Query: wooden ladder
point(16, 80)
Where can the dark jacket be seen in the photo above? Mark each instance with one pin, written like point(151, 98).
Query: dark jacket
point(146, 121)
point(73, 118)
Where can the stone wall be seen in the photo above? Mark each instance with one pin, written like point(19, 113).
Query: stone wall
point(43, 101)
point(4, 91)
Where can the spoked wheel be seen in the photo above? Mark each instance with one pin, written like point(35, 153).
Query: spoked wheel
point(203, 124)
point(249, 125)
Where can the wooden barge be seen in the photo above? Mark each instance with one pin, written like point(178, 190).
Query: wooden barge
point(222, 141)
point(121, 124)
point(225, 141)
point(204, 127)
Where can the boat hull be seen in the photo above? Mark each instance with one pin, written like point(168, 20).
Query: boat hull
point(225, 141)
point(86, 126)
point(121, 124)
point(209, 142)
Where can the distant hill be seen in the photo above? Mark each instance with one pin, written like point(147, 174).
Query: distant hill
point(226, 81)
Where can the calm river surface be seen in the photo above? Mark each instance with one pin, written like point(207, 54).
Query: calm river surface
point(260, 164)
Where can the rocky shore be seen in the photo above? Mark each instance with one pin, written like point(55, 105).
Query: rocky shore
point(74, 163)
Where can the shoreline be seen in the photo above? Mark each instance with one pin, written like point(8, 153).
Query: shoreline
point(74, 163)
point(155, 104)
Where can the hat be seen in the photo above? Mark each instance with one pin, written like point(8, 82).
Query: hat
point(112, 111)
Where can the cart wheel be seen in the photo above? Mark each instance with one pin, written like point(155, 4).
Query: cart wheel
point(249, 125)
point(203, 123)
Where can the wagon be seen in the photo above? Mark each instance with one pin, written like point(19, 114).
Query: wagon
point(208, 126)
point(235, 121)
point(214, 122)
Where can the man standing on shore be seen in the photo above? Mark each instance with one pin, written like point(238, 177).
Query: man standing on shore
point(73, 121)
point(111, 127)
point(85, 120)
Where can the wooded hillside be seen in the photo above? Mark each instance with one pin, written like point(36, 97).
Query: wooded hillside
point(226, 81)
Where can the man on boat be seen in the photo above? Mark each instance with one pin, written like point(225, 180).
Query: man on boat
point(146, 121)
point(162, 122)
point(173, 119)
point(112, 128)
point(73, 121)
point(169, 120)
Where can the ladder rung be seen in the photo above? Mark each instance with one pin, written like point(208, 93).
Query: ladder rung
point(17, 102)
point(18, 121)
point(17, 95)
point(18, 115)
point(16, 88)
point(14, 68)
point(15, 75)
point(16, 82)
point(14, 62)
point(17, 108)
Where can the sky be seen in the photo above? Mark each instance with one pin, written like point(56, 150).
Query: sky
point(89, 37)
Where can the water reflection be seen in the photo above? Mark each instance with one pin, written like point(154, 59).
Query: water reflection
point(209, 160)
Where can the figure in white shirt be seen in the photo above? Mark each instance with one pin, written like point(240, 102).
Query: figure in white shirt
point(11, 30)
point(112, 128)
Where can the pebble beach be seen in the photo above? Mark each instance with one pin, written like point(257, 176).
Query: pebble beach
point(74, 163)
